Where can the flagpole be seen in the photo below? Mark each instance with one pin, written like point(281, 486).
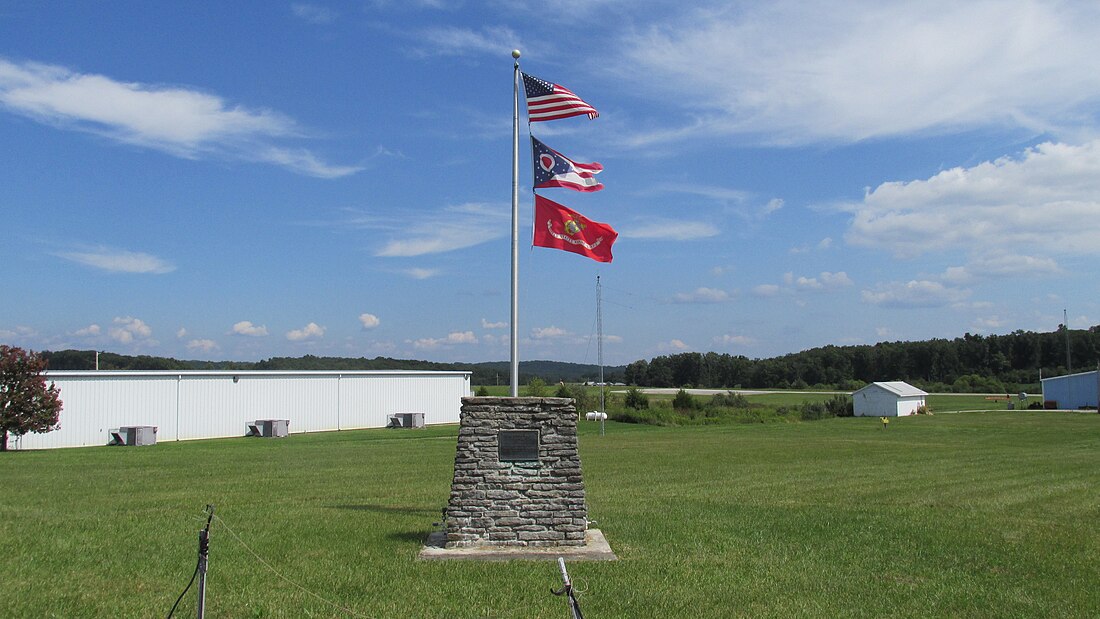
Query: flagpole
point(515, 226)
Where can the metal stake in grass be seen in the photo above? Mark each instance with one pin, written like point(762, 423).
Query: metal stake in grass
point(567, 590)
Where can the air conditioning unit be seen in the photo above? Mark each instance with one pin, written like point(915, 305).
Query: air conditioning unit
point(133, 436)
point(406, 420)
point(269, 428)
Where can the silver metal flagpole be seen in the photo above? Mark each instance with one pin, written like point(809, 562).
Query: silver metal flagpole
point(515, 225)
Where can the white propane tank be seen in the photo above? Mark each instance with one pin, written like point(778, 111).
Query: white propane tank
point(595, 416)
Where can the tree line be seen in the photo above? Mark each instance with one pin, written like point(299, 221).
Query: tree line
point(485, 373)
point(971, 363)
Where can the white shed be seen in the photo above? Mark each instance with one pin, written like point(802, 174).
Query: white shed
point(185, 405)
point(887, 399)
point(1072, 391)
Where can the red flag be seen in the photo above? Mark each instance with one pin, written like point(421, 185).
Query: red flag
point(558, 227)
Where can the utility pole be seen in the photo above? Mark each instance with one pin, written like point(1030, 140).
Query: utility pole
point(1065, 323)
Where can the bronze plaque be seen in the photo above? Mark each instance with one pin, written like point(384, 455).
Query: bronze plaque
point(518, 445)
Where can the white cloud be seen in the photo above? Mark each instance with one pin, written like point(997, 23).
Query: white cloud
point(542, 333)
point(455, 227)
point(453, 338)
point(246, 327)
point(673, 345)
point(839, 279)
point(313, 13)
point(990, 323)
point(701, 295)
point(91, 330)
point(202, 345)
point(454, 41)
point(181, 333)
point(734, 340)
point(825, 243)
point(18, 332)
point(183, 122)
point(369, 321)
point(485, 324)
point(417, 273)
point(670, 230)
point(998, 264)
point(765, 290)
point(1045, 200)
point(794, 72)
point(922, 293)
point(119, 261)
point(773, 205)
point(311, 331)
point(128, 329)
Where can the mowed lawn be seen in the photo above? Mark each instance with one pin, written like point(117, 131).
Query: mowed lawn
point(966, 515)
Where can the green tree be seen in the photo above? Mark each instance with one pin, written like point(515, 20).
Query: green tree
point(683, 401)
point(636, 399)
point(536, 388)
point(26, 403)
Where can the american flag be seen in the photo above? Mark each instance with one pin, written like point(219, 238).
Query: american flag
point(546, 101)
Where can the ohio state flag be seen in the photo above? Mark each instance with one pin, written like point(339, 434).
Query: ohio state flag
point(559, 227)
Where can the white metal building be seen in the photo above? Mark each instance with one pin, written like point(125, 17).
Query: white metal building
point(1072, 391)
point(887, 399)
point(186, 405)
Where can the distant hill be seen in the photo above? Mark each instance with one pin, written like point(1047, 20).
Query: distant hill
point(485, 373)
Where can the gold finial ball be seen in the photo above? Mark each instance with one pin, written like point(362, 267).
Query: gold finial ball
point(515, 54)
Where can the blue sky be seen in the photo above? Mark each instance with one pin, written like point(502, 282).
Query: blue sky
point(252, 179)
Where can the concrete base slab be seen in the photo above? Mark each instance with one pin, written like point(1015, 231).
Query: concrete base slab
point(595, 548)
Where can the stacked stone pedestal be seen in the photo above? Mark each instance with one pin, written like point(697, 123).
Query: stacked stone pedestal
point(500, 501)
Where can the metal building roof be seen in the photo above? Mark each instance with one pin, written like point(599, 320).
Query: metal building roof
point(899, 388)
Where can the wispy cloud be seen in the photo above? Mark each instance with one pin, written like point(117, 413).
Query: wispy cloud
point(455, 41)
point(702, 295)
point(670, 230)
point(794, 72)
point(119, 261)
point(542, 333)
point(313, 13)
point(454, 227)
point(181, 121)
point(914, 294)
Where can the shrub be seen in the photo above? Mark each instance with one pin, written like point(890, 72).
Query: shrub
point(577, 393)
point(482, 391)
point(840, 406)
point(683, 401)
point(728, 399)
point(923, 409)
point(536, 388)
point(813, 411)
point(636, 399)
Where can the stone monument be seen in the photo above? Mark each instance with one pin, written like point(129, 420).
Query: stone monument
point(517, 477)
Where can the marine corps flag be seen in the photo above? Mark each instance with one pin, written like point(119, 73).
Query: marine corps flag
point(558, 227)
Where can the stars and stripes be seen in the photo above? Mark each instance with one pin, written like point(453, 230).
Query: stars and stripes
point(553, 169)
point(546, 101)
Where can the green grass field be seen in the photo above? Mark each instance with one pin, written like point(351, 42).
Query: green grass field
point(966, 515)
